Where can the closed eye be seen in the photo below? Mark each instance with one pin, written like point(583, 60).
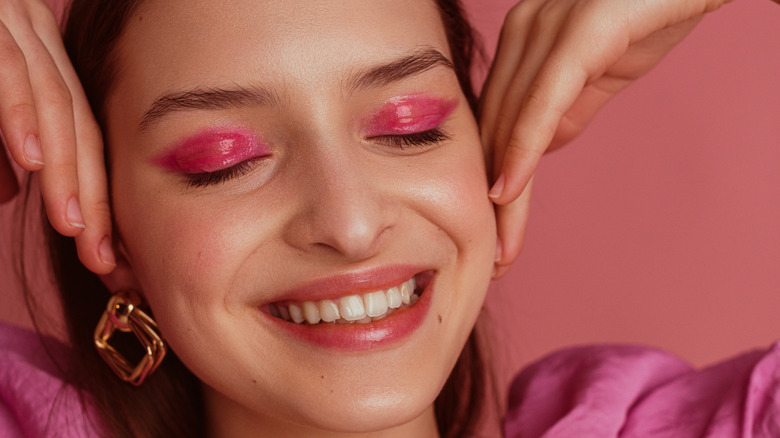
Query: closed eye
point(205, 179)
point(417, 139)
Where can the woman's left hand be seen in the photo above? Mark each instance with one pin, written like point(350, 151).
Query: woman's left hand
point(558, 62)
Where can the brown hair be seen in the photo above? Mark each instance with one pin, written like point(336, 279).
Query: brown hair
point(169, 403)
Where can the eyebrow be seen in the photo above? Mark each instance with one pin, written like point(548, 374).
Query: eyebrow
point(207, 99)
point(416, 63)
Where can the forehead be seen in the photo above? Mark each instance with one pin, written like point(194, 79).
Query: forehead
point(204, 42)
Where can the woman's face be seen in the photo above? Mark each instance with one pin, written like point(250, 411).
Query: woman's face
point(275, 156)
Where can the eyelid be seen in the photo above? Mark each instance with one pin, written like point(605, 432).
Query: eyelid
point(212, 150)
point(409, 114)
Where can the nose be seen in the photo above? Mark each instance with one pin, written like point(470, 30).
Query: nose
point(344, 209)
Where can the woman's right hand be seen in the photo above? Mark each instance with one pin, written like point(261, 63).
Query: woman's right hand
point(48, 127)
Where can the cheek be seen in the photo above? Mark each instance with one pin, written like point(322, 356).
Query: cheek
point(180, 247)
point(454, 197)
point(455, 200)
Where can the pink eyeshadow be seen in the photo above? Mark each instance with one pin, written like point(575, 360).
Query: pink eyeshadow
point(410, 114)
point(212, 150)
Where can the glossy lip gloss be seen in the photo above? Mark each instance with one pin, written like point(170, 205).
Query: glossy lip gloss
point(211, 150)
point(356, 337)
point(410, 114)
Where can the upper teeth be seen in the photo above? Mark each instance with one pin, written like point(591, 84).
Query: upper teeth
point(364, 308)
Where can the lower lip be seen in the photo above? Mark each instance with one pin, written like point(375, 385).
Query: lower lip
point(357, 337)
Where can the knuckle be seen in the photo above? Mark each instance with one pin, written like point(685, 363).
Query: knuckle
point(549, 16)
point(516, 15)
point(11, 55)
point(519, 149)
point(20, 110)
point(538, 99)
point(90, 131)
point(43, 19)
point(40, 9)
point(504, 125)
point(102, 209)
point(517, 18)
point(535, 96)
point(58, 95)
point(546, 11)
point(8, 9)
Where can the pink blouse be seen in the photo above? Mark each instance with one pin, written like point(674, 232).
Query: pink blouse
point(637, 392)
point(581, 392)
point(34, 400)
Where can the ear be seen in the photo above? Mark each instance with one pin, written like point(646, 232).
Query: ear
point(122, 277)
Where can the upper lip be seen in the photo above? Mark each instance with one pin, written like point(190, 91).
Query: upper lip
point(350, 283)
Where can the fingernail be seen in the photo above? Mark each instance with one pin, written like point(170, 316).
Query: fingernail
point(73, 213)
point(106, 252)
point(497, 189)
point(499, 250)
point(32, 150)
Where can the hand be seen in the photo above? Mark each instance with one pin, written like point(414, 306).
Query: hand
point(558, 62)
point(48, 127)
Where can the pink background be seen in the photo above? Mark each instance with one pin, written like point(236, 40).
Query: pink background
point(661, 224)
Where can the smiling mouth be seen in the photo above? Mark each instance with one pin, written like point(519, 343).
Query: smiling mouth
point(352, 309)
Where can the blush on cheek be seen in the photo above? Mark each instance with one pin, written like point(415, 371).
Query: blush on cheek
point(212, 150)
point(410, 114)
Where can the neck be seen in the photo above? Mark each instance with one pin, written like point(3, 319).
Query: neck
point(228, 419)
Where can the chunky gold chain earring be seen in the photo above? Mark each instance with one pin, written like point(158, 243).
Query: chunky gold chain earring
point(123, 314)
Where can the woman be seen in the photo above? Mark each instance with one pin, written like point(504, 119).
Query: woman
point(331, 177)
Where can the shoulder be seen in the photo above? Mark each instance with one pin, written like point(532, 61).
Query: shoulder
point(34, 399)
point(631, 391)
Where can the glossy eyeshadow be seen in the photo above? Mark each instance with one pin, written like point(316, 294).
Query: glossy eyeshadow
point(410, 114)
point(212, 150)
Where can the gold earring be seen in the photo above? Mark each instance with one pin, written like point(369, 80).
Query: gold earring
point(123, 314)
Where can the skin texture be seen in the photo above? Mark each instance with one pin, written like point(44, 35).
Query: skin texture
point(330, 199)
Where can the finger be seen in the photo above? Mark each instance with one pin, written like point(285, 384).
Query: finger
point(540, 32)
point(558, 84)
point(543, 107)
point(512, 222)
point(511, 46)
point(59, 178)
point(95, 243)
point(18, 120)
point(592, 98)
point(542, 38)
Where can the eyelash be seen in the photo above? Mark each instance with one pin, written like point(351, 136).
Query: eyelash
point(403, 141)
point(219, 176)
point(417, 139)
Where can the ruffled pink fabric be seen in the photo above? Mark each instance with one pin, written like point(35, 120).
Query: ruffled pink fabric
point(34, 401)
point(582, 392)
point(636, 392)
